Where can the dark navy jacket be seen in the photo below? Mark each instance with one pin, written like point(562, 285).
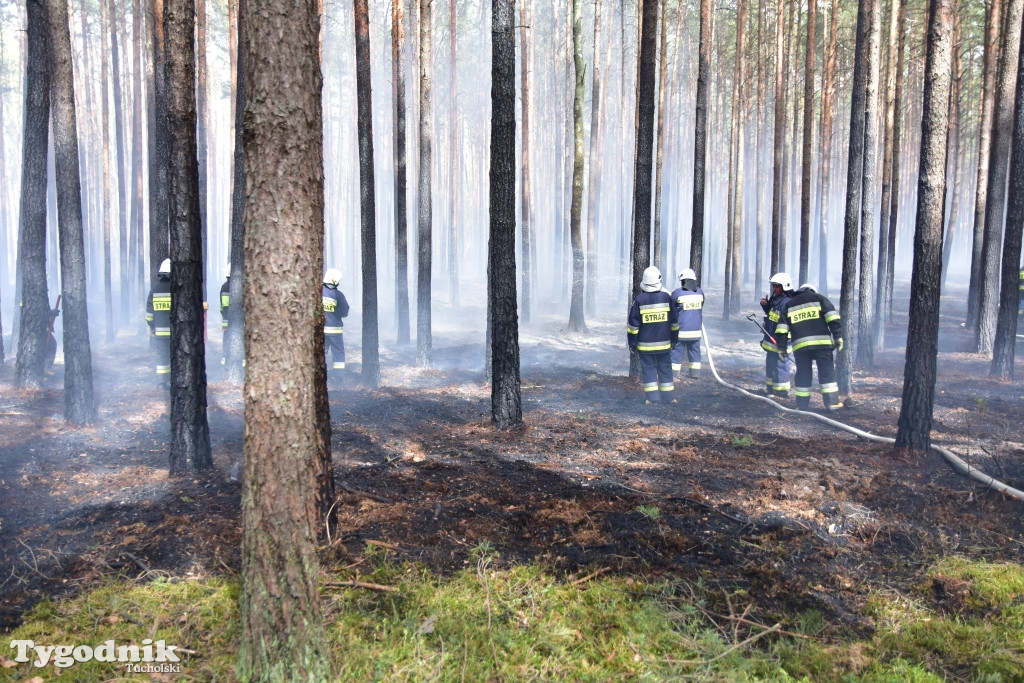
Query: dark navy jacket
point(653, 325)
point(773, 309)
point(689, 303)
point(335, 308)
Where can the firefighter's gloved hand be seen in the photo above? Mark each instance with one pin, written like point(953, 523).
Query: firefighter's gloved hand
point(839, 344)
point(783, 356)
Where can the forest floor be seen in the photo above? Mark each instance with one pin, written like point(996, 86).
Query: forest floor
point(719, 487)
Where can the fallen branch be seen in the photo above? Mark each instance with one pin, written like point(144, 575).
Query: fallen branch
point(748, 622)
point(737, 646)
point(365, 494)
point(588, 577)
point(361, 584)
point(137, 560)
point(382, 544)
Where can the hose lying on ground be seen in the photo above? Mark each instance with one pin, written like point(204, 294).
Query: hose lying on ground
point(951, 458)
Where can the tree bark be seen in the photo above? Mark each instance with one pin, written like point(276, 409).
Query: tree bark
point(526, 242)
point(367, 196)
point(644, 159)
point(778, 141)
point(808, 142)
point(700, 155)
point(234, 338)
point(453, 156)
point(202, 126)
point(136, 259)
point(190, 430)
point(999, 160)
point(897, 164)
point(733, 300)
point(992, 22)
point(159, 246)
point(864, 341)
point(828, 95)
point(657, 247)
point(282, 634)
point(596, 157)
point(854, 191)
point(401, 216)
point(577, 322)
point(35, 298)
point(506, 398)
point(108, 304)
point(424, 342)
point(1006, 324)
point(915, 421)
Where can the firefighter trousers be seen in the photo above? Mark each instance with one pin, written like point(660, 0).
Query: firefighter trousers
point(690, 350)
point(805, 360)
point(656, 373)
point(776, 372)
point(334, 345)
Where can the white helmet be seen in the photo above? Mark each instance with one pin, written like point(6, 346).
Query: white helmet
point(651, 281)
point(808, 285)
point(687, 274)
point(228, 274)
point(332, 277)
point(783, 280)
point(165, 267)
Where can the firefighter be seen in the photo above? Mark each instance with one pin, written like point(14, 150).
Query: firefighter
point(688, 299)
point(158, 317)
point(225, 301)
point(776, 368)
point(335, 308)
point(810, 324)
point(651, 331)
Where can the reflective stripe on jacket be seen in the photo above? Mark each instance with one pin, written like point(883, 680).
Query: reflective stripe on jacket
point(335, 308)
point(653, 324)
point(808, 320)
point(689, 305)
point(158, 307)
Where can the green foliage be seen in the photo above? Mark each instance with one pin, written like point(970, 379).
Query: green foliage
point(649, 511)
point(742, 441)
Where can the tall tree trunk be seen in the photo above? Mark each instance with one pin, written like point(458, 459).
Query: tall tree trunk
point(644, 165)
point(739, 126)
point(122, 218)
point(79, 407)
point(864, 341)
point(527, 198)
point(367, 196)
point(999, 160)
point(284, 439)
point(759, 140)
point(35, 299)
point(955, 126)
point(424, 342)
point(453, 155)
point(992, 21)
point(660, 135)
point(202, 126)
point(401, 217)
point(506, 398)
point(778, 137)
point(854, 191)
point(190, 430)
point(577, 323)
point(897, 165)
point(808, 142)
point(159, 246)
point(138, 268)
point(700, 147)
point(1006, 325)
point(234, 338)
point(828, 97)
point(789, 150)
point(108, 303)
point(881, 314)
point(596, 156)
point(915, 421)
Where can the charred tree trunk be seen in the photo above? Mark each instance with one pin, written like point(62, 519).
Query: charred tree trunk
point(401, 216)
point(897, 164)
point(828, 97)
point(659, 240)
point(999, 160)
point(778, 138)
point(190, 430)
point(526, 229)
point(424, 342)
point(644, 165)
point(992, 21)
point(285, 380)
point(864, 341)
point(137, 260)
point(700, 148)
point(577, 323)
point(35, 299)
point(202, 128)
point(367, 196)
point(159, 246)
point(915, 421)
point(79, 407)
point(506, 398)
point(1006, 326)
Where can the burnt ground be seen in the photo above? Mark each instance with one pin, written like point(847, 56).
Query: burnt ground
point(797, 514)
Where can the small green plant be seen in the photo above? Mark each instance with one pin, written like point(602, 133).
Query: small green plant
point(649, 511)
point(979, 404)
point(742, 441)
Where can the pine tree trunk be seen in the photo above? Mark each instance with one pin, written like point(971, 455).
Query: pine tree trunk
point(190, 430)
point(897, 142)
point(864, 341)
point(122, 214)
point(506, 397)
point(577, 322)
point(367, 196)
point(424, 342)
point(644, 165)
point(992, 22)
point(284, 441)
point(999, 160)
point(234, 338)
point(453, 159)
point(202, 128)
point(159, 247)
point(789, 149)
point(660, 135)
point(808, 142)
point(596, 156)
point(79, 407)
point(1006, 324)
point(108, 304)
point(35, 298)
point(759, 140)
point(778, 138)
point(526, 241)
point(915, 421)
point(733, 300)
point(700, 154)
point(828, 98)
point(854, 190)
point(956, 151)
point(401, 216)
point(138, 267)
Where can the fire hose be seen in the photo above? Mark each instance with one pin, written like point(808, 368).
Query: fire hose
point(951, 458)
